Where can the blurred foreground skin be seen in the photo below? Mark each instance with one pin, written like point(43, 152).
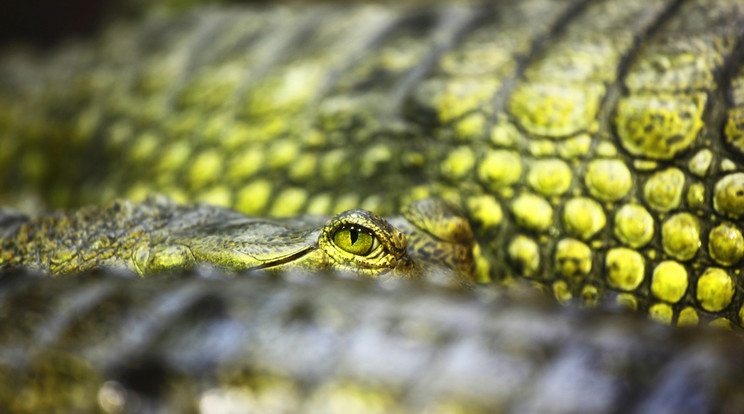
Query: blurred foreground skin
point(106, 343)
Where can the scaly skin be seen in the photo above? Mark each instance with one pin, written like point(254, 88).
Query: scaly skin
point(594, 147)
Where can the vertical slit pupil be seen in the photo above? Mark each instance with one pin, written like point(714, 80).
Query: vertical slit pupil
point(354, 235)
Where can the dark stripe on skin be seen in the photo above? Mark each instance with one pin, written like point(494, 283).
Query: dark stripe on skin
point(207, 31)
point(616, 87)
point(722, 97)
point(536, 47)
point(452, 23)
point(372, 39)
point(78, 303)
point(280, 47)
point(165, 308)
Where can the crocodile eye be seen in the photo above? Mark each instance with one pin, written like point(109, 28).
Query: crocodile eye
point(362, 242)
point(355, 240)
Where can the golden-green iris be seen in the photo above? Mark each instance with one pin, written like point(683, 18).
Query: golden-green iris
point(355, 240)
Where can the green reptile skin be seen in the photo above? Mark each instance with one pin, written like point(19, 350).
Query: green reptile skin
point(595, 147)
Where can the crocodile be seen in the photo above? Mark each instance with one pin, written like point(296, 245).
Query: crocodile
point(594, 147)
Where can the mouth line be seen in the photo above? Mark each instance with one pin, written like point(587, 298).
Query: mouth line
point(284, 260)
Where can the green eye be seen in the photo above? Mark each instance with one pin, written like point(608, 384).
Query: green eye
point(355, 241)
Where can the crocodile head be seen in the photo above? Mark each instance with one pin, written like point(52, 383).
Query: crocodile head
point(431, 236)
